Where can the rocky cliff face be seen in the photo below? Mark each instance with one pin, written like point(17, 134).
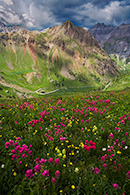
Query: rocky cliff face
point(55, 55)
point(115, 40)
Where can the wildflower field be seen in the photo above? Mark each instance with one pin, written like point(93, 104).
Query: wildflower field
point(72, 145)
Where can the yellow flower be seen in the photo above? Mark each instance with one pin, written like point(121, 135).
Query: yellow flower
point(93, 184)
point(76, 170)
point(26, 165)
point(0, 135)
point(118, 152)
point(58, 151)
point(64, 165)
point(64, 151)
point(14, 173)
point(71, 163)
point(64, 156)
point(61, 191)
point(35, 173)
point(60, 154)
point(73, 186)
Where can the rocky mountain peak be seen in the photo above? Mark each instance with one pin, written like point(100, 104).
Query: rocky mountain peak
point(67, 25)
point(115, 40)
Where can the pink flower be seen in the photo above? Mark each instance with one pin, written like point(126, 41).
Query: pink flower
point(87, 148)
point(96, 170)
point(51, 138)
point(37, 168)
point(57, 174)
point(11, 142)
point(126, 134)
point(45, 173)
point(7, 144)
point(49, 131)
point(23, 155)
point(105, 166)
point(50, 160)
point(18, 139)
point(42, 160)
point(62, 138)
point(20, 162)
point(16, 144)
point(29, 173)
point(13, 151)
point(57, 160)
point(103, 158)
point(128, 175)
point(123, 142)
point(53, 180)
point(115, 185)
point(111, 135)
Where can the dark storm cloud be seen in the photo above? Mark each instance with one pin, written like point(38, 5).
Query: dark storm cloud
point(39, 14)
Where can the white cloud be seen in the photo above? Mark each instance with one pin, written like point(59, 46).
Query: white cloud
point(8, 2)
point(108, 14)
point(2, 8)
point(11, 19)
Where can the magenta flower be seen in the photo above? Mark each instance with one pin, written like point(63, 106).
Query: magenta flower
point(103, 158)
point(7, 144)
point(57, 174)
point(128, 175)
point(16, 144)
point(45, 173)
point(96, 170)
point(18, 139)
point(13, 151)
point(105, 166)
point(57, 160)
point(50, 160)
point(111, 135)
point(37, 168)
point(42, 161)
point(62, 138)
point(29, 173)
point(87, 148)
point(53, 180)
point(115, 185)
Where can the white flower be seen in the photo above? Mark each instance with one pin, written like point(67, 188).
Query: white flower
point(103, 149)
point(77, 151)
point(2, 166)
point(108, 146)
point(126, 147)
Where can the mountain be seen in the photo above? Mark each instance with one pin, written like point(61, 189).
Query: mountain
point(114, 40)
point(61, 56)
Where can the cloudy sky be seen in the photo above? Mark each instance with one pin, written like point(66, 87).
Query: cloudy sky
point(40, 14)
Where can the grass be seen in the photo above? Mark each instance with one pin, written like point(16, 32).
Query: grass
point(74, 142)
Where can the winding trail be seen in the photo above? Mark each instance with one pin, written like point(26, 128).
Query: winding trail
point(21, 89)
point(107, 86)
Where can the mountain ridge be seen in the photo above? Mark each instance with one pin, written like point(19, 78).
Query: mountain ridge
point(59, 56)
point(115, 40)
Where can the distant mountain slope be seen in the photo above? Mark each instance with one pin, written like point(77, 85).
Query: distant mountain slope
point(60, 56)
point(115, 40)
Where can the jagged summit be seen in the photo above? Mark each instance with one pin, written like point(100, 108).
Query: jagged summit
point(55, 56)
point(115, 40)
point(67, 24)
